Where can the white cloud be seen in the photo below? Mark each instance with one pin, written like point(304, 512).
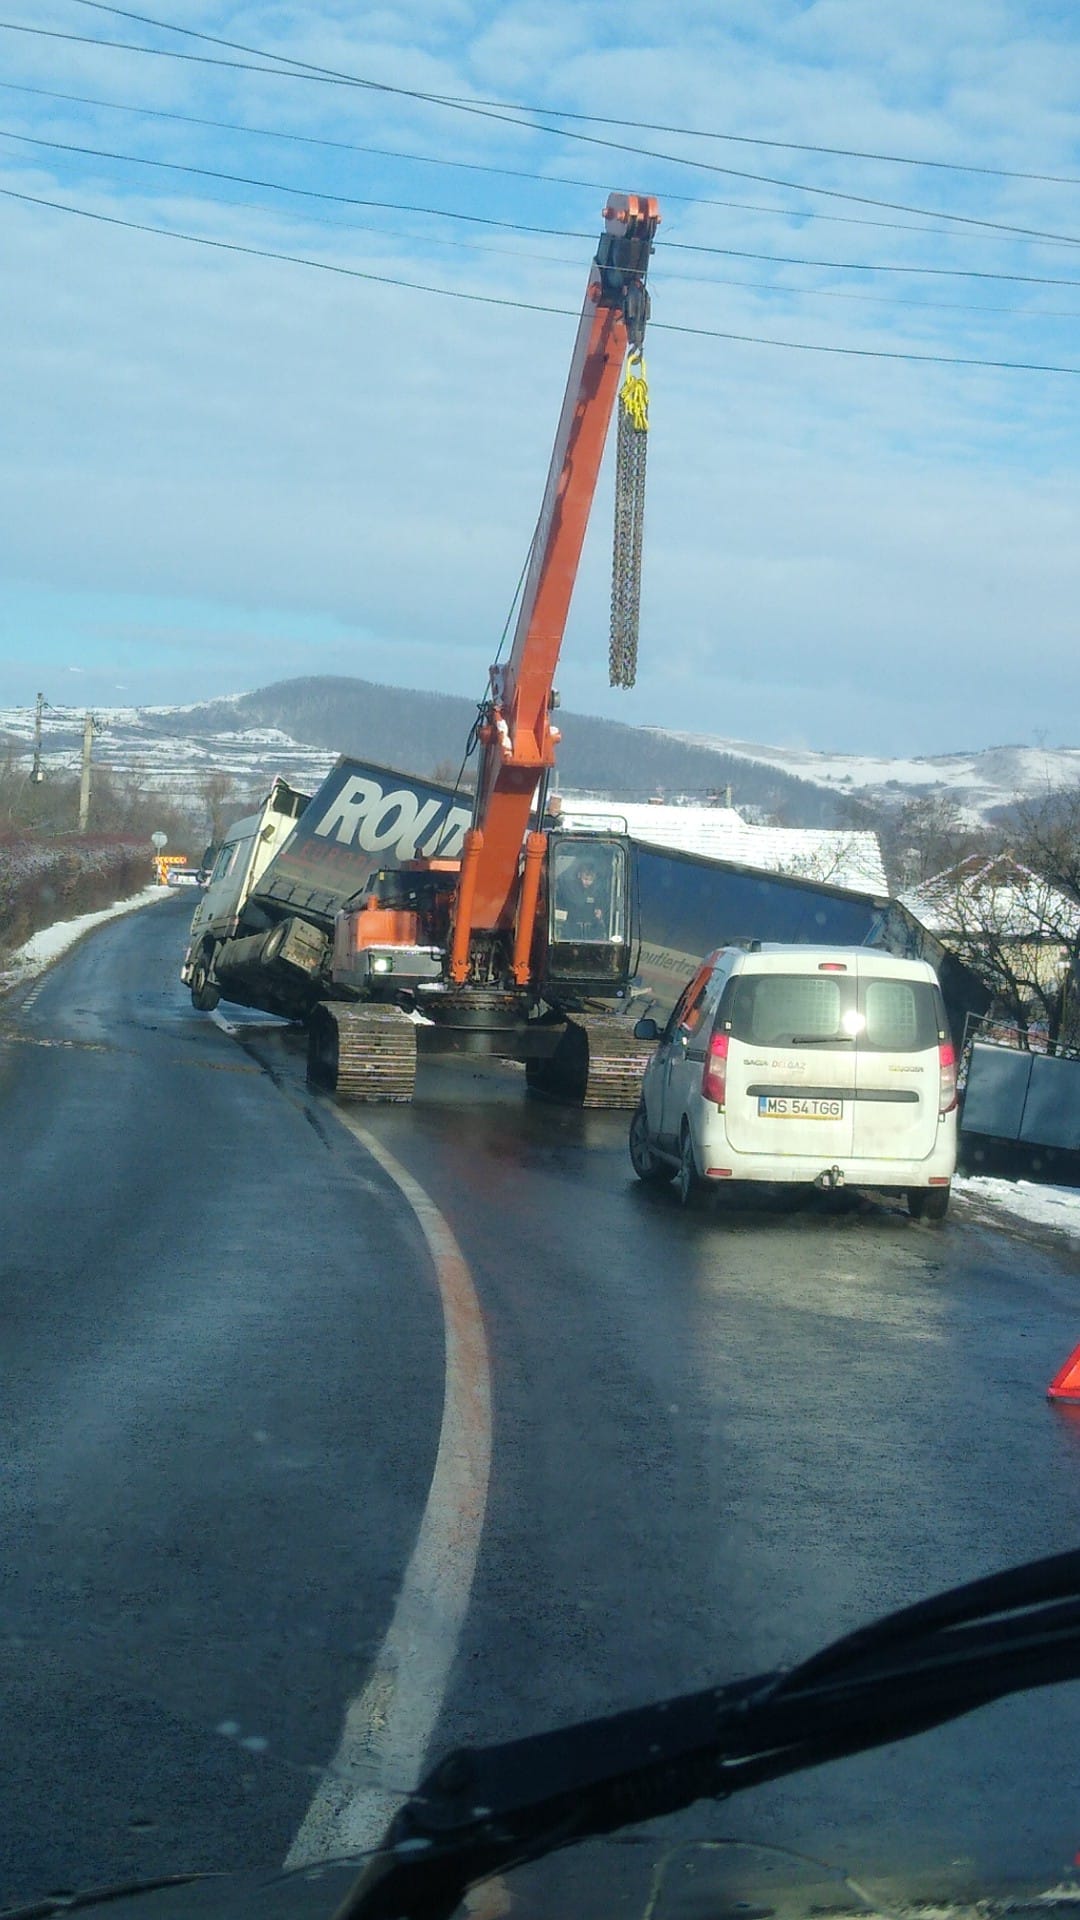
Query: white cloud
point(866, 554)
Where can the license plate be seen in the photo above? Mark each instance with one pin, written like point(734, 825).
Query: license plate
point(771, 1107)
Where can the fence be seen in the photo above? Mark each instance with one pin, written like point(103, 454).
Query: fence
point(1020, 1098)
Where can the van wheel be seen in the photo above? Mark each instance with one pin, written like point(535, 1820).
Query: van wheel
point(204, 995)
point(688, 1181)
point(928, 1203)
point(643, 1157)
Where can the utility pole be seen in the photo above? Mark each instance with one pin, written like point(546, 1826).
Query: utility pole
point(36, 774)
point(89, 729)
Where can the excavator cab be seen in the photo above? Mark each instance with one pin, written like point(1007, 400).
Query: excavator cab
point(588, 921)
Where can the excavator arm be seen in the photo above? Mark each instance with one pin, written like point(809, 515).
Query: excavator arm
point(516, 734)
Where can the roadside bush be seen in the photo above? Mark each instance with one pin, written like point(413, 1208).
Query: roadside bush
point(45, 880)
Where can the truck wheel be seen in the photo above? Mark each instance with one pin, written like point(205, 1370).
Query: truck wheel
point(643, 1159)
point(928, 1203)
point(204, 994)
point(274, 942)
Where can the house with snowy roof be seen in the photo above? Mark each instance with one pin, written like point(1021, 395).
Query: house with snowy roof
point(838, 857)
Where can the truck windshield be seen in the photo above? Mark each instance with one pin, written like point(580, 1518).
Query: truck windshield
point(224, 861)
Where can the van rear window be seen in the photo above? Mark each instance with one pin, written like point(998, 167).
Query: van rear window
point(780, 1009)
point(901, 1016)
point(886, 1015)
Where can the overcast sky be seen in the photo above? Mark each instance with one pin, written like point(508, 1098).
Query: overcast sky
point(220, 470)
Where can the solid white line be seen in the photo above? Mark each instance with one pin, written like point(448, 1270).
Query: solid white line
point(389, 1725)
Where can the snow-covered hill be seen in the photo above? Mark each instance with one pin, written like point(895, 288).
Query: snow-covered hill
point(978, 781)
point(174, 750)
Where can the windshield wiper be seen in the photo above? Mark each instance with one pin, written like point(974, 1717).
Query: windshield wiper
point(490, 1808)
point(102, 1896)
point(818, 1040)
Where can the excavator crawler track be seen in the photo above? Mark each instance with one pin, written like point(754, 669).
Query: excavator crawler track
point(597, 1063)
point(362, 1053)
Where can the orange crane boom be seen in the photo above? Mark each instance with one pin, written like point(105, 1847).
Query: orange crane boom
point(516, 734)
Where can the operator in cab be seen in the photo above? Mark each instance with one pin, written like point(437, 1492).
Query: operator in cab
point(586, 903)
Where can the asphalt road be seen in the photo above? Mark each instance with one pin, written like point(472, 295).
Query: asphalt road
point(720, 1439)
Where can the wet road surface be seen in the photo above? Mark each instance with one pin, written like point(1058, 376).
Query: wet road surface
point(720, 1439)
point(222, 1373)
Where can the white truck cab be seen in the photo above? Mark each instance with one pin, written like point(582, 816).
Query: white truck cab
point(243, 857)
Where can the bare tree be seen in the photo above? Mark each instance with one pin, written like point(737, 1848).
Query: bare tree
point(446, 774)
point(1019, 933)
point(841, 858)
point(926, 835)
point(1048, 838)
point(218, 789)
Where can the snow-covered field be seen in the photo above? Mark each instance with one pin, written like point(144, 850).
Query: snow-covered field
point(132, 745)
point(151, 746)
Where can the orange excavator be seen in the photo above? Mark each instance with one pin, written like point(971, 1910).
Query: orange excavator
point(524, 947)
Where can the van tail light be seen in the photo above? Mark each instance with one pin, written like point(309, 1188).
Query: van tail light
point(946, 1077)
point(714, 1078)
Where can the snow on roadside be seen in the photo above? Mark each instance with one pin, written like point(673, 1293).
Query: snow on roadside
point(1043, 1206)
point(26, 962)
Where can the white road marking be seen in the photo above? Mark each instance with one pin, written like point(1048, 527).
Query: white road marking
point(238, 1028)
point(389, 1725)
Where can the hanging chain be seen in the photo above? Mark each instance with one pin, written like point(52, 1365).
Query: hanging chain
point(631, 446)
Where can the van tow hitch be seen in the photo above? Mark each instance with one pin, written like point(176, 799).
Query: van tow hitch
point(830, 1179)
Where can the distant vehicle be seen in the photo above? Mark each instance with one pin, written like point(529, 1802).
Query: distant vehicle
point(183, 877)
point(825, 1066)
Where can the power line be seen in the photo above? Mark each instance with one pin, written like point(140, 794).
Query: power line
point(780, 289)
point(846, 293)
point(466, 166)
point(266, 253)
point(862, 266)
point(534, 306)
point(306, 70)
point(158, 53)
point(277, 186)
point(650, 126)
point(519, 226)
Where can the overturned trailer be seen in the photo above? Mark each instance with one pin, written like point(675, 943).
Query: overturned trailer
point(277, 930)
point(688, 905)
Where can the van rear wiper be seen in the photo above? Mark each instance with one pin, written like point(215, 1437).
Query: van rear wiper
point(490, 1808)
point(818, 1040)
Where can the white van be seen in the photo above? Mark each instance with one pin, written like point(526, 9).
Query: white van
point(828, 1066)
